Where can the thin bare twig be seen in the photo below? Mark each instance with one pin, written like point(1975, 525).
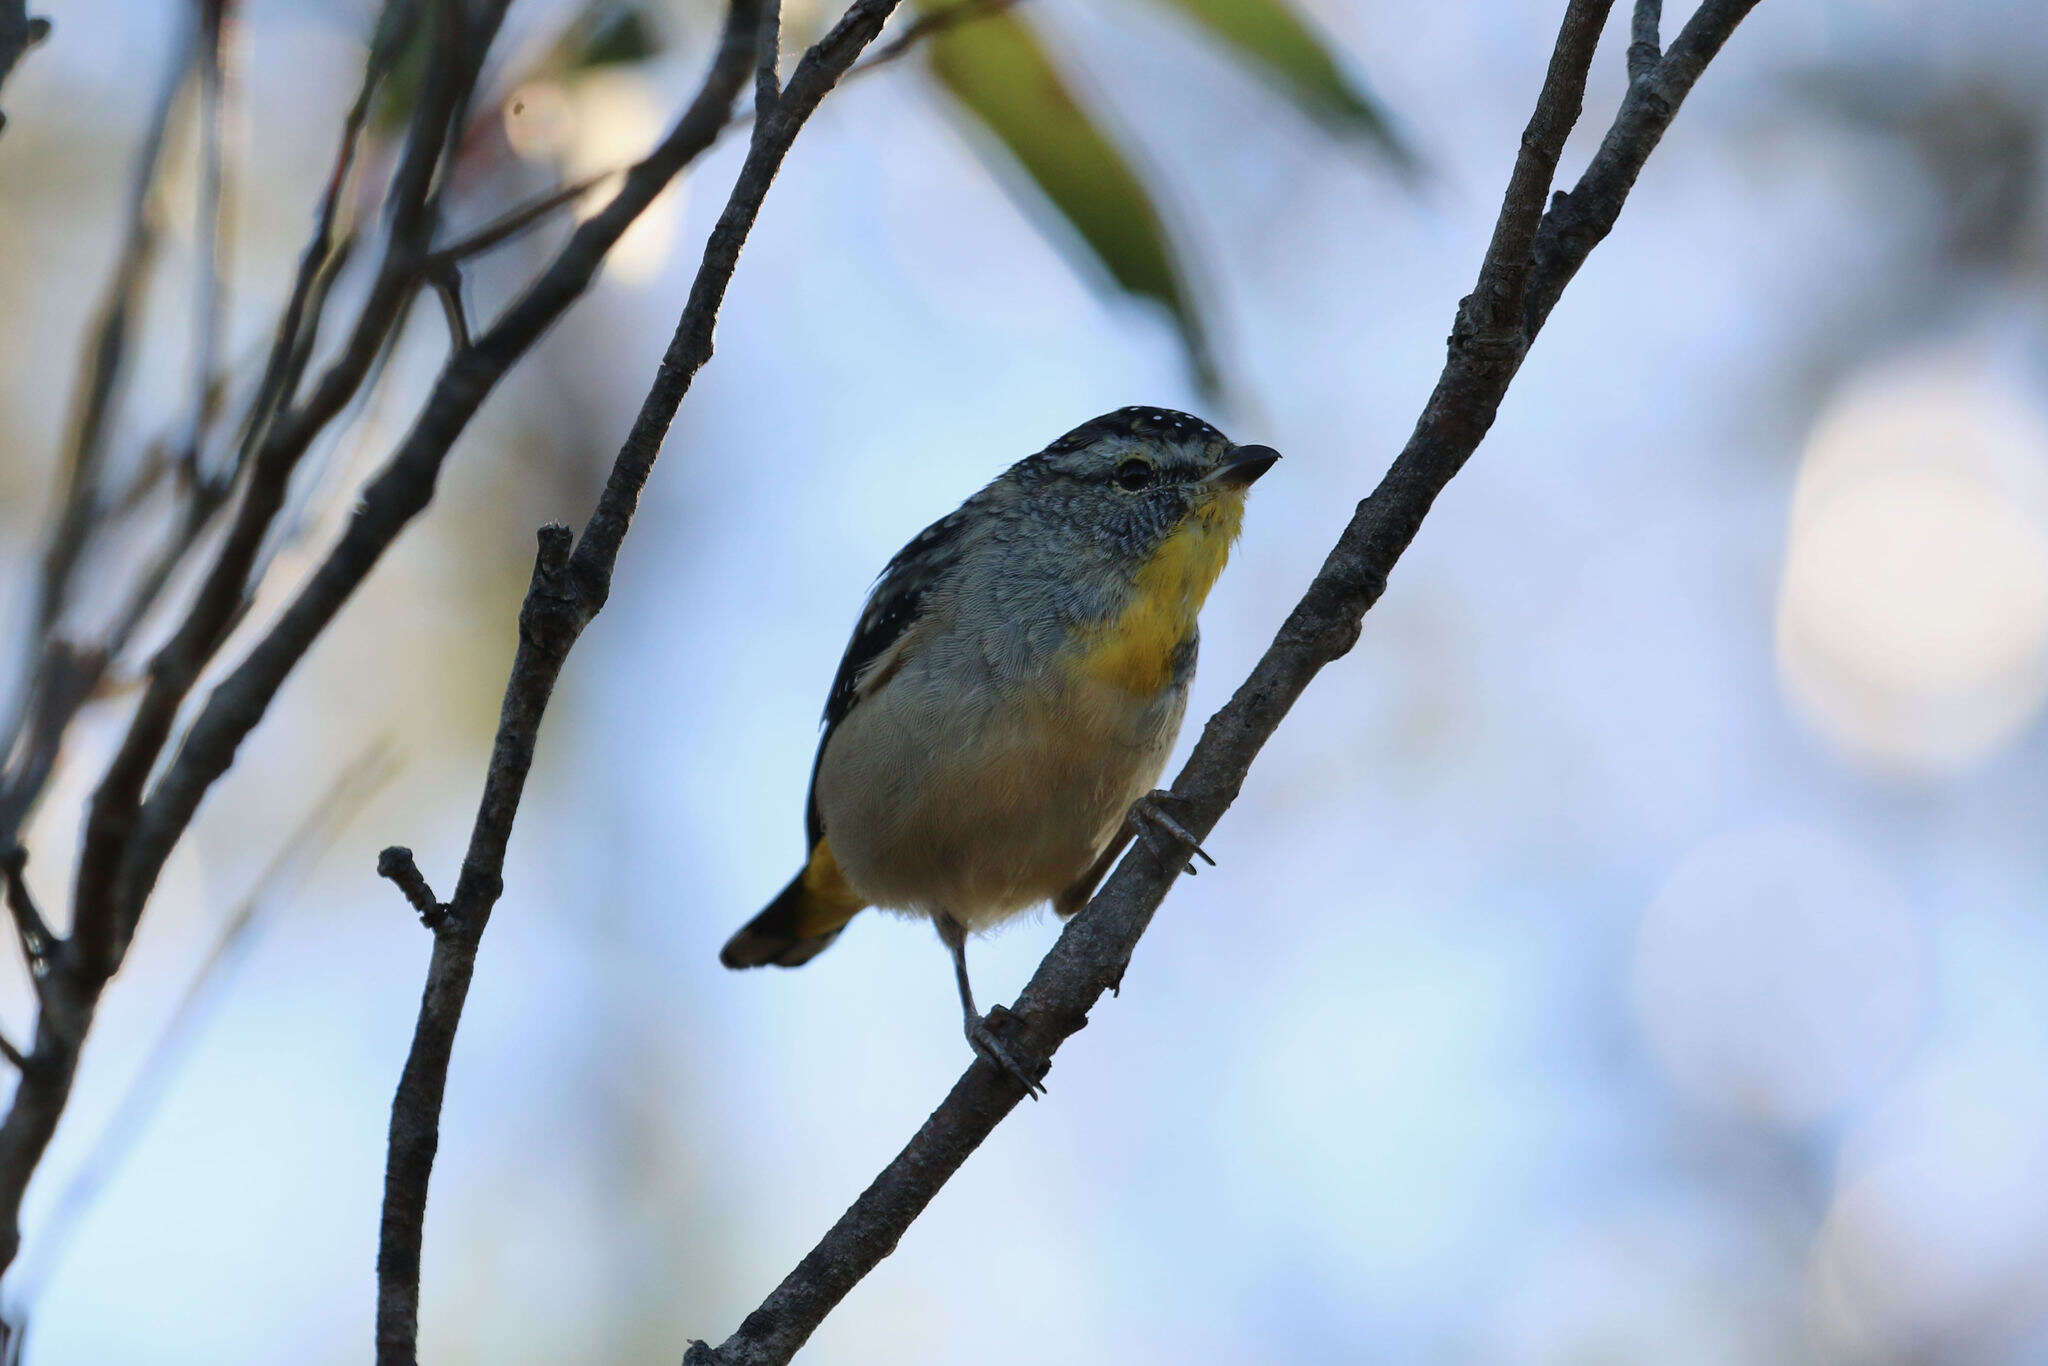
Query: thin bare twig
point(1527, 263)
point(571, 582)
point(514, 221)
point(32, 932)
point(446, 282)
point(938, 21)
point(883, 54)
point(396, 865)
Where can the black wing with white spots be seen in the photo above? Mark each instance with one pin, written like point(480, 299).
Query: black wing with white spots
point(893, 606)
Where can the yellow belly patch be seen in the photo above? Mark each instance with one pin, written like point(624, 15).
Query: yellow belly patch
point(1134, 650)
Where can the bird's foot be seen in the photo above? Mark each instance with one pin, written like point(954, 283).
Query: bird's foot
point(1164, 834)
point(1021, 1066)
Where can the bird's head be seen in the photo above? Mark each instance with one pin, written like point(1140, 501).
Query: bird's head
point(1138, 477)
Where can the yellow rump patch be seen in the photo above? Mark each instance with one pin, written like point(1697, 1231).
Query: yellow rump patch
point(828, 901)
point(1134, 650)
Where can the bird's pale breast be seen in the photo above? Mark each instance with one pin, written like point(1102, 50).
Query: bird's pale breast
point(942, 797)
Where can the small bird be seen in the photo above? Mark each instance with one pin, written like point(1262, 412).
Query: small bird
point(1011, 694)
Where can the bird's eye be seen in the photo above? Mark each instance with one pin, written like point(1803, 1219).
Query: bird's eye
point(1133, 475)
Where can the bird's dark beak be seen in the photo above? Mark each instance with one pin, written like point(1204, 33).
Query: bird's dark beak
point(1245, 464)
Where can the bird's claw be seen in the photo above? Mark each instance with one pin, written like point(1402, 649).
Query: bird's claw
point(981, 1037)
point(1162, 833)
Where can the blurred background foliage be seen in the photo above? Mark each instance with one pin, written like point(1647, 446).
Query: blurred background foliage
point(1053, 143)
point(1634, 952)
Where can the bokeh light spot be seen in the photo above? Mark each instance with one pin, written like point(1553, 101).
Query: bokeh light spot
point(601, 121)
point(1913, 615)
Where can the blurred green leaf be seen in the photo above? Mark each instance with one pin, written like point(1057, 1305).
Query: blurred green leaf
point(605, 35)
point(1286, 52)
point(999, 72)
point(391, 106)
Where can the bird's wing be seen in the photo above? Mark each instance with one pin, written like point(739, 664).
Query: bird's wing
point(892, 609)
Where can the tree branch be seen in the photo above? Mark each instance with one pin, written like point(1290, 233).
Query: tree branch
point(1579, 221)
point(768, 59)
point(1645, 46)
point(936, 21)
point(1494, 326)
point(571, 581)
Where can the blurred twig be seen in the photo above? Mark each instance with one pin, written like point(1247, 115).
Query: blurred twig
point(19, 31)
point(515, 221)
point(296, 855)
point(104, 913)
point(62, 676)
point(107, 351)
point(143, 804)
point(101, 926)
point(34, 731)
point(398, 493)
point(147, 796)
point(322, 259)
point(215, 216)
point(1531, 257)
point(30, 930)
point(571, 581)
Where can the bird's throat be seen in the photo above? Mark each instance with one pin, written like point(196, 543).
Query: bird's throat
point(1136, 649)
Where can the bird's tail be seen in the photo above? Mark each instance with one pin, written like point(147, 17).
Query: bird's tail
point(801, 922)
